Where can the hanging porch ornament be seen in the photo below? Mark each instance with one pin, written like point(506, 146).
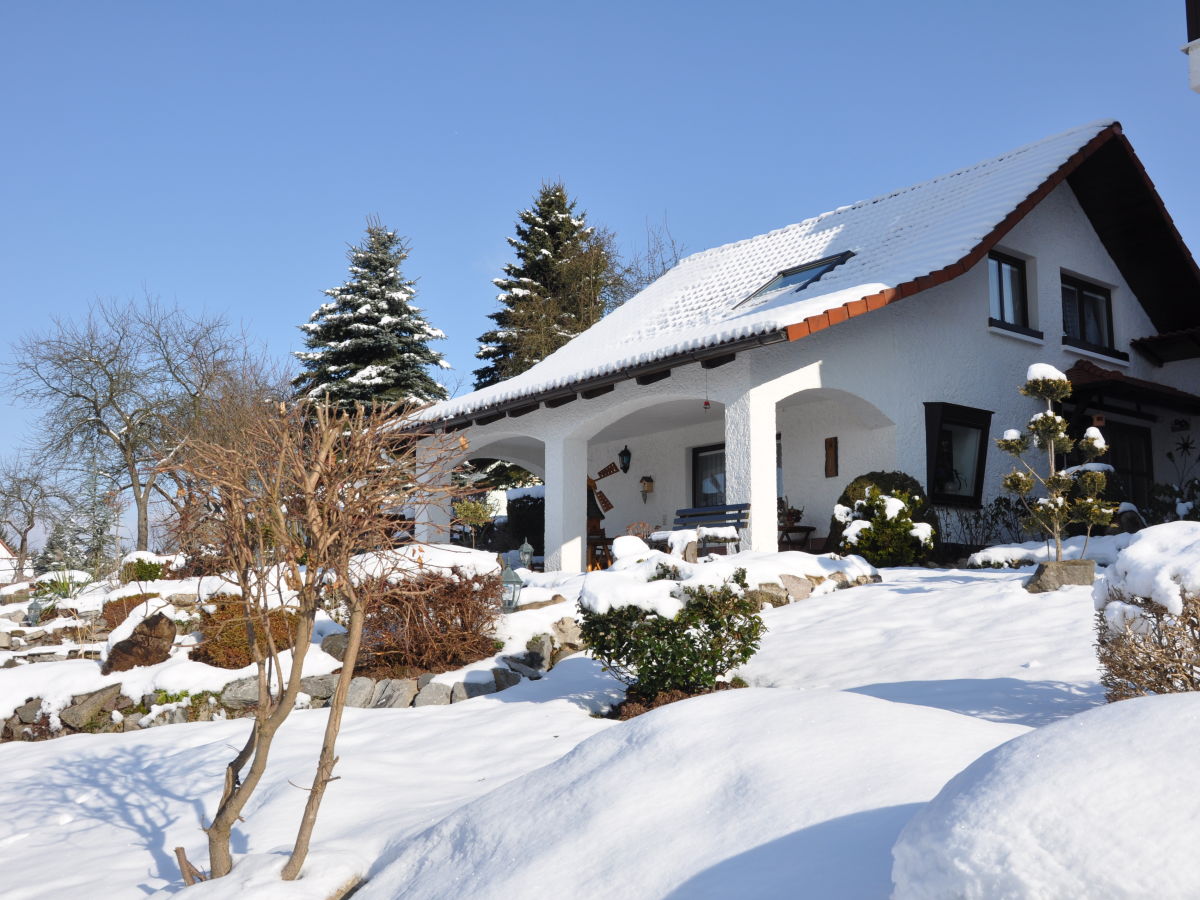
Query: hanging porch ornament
point(707, 405)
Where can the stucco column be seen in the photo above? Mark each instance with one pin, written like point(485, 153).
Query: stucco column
point(566, 504)
point(750, 466)
point(431, 512)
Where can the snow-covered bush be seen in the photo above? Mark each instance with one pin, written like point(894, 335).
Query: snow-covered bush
point(1148, 614)
point(893, 483)
point(1072, 495)
point(716, 630)
point(880, 528)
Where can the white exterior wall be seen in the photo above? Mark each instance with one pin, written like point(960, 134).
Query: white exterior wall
point(933, 347)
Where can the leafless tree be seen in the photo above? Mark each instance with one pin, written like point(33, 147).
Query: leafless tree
point(292, 496)
point(28, 497)
point(126, 376)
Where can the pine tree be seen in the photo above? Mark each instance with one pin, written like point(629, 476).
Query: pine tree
point(64, 547)
point(370, 342)
point(564, 279)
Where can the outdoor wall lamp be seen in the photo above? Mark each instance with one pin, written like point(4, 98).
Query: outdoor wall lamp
point(525, 551)
point(647, 486)
point(624, 458)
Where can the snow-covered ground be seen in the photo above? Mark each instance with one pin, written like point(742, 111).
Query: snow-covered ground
point(864, 703)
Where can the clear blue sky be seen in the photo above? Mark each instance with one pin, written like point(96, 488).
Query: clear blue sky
point(222, 155)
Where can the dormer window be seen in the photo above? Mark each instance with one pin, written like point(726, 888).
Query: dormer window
point(800, 277)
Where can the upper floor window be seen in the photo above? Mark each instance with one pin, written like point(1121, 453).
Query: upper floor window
point(1006, 289)
point(1087, 314)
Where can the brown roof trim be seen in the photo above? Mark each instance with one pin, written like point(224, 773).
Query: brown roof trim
point(1170, 346)
point(855, 308)
point(1086, 374)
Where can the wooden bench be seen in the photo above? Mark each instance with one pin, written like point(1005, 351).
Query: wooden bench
point(735, 515)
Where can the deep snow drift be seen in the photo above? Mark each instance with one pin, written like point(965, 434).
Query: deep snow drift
point(1103, 804)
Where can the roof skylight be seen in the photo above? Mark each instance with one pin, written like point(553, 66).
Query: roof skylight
point(800, 277)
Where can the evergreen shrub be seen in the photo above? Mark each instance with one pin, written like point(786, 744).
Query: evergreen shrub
point(890, 483)
point(141, 570)
point(881, 529)
point(717, 630)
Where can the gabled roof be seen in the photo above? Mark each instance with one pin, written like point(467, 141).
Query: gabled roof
point(902, 243)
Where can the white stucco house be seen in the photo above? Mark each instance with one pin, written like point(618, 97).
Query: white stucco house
point(889, 334)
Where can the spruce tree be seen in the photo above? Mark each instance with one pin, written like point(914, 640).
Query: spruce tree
point(564, 279)
point(370, 342)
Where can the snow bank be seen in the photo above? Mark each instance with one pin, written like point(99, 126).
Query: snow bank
point(1099, 805)
point(1160, 563)
point(738, 794)
point(1103, 548)
point(414, 559)
point(1044, 371)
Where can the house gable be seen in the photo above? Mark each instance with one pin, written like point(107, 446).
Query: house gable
point(706, 309)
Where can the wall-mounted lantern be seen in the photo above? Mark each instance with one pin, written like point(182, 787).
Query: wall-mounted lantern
point(647, 486)
point(624, 458)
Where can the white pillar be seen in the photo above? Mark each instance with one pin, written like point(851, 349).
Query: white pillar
point(432, 514)
point(566, 504)
point(750, 466)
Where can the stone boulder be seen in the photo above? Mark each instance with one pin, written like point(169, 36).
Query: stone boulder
point(335, 645)
point(539, 650)
point(566, 633)
point(465, 690)
point(505, 678)
point(240, 694)
point(1050, 576)
point(394, 693)
point(149, 645)
point(88, 706)
point(433, 694)
point(319, 687)
point(360, 692)
point(797, 588)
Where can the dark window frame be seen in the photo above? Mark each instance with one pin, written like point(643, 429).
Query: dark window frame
point(827, 264)
point(938, 414)
point(1079, 285)
point(1021, 309)
point(695, 458)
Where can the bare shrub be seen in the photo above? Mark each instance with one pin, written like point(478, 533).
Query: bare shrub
point(433, 622)
point(230, 631)
point(1143, 649)
point(114, 612)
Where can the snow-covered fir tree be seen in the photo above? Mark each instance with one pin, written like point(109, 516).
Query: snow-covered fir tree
point(369, 342)
point(565, 277)
point(65, 547)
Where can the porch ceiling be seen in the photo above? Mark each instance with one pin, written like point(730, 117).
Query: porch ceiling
point(660, 417)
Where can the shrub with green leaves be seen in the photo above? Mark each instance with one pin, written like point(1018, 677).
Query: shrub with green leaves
point(141, 570)
point(717, 630)
point(891, 483)
point(880, 528)
point(1074, 495)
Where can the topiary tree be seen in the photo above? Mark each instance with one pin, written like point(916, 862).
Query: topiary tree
point(880, 528)
point(1071, 495)
point(717, 630)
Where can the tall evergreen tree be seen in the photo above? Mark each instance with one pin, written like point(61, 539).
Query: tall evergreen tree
point(565, 277)
point(370, 342)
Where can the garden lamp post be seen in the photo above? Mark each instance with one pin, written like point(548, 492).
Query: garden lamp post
point(525, 551)
point(512, 585)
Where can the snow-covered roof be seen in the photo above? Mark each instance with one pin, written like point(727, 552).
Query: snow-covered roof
point(896, 239)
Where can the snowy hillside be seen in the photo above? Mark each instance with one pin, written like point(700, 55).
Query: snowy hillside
point(865, 703)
